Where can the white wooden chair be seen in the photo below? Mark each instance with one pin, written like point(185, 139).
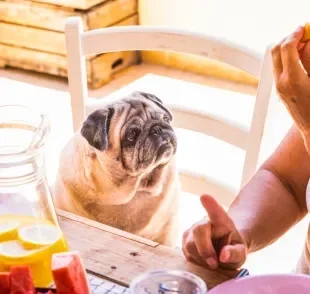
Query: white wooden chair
point(81, 44)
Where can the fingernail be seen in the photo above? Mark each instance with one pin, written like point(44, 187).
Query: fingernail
point(211, 262)
point(225, 256)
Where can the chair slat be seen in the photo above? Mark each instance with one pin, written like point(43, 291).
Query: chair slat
point(130, 38)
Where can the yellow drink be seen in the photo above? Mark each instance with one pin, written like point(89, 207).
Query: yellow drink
point(30, 241)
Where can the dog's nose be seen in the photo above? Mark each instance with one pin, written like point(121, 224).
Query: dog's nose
point(156, 130)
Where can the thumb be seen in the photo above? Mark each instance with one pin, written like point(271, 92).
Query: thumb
point(216, 212)
point(235, 254)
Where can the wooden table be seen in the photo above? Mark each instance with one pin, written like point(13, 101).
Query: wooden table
point(119, 256)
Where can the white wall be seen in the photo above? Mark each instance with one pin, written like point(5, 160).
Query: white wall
point(251, 23)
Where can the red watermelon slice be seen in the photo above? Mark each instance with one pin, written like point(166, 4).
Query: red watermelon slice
point(21, 280)
point(69, 274)
point(5, 283)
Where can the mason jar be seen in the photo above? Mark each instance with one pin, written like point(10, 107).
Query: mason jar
point(29, 230)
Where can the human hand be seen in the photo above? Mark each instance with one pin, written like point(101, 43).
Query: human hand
point(291, 65)
point(214, 241)
point(304, 49)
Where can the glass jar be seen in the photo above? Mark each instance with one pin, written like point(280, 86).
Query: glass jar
point(29, 230)
point(168, 282)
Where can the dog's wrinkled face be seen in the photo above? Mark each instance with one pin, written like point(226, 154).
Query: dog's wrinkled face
point(135, 131)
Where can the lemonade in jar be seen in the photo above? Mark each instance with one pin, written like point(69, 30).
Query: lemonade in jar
point(29, 229)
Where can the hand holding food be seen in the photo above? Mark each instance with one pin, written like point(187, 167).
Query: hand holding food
point(306, 35)
point(291, 64)
point(214, 241)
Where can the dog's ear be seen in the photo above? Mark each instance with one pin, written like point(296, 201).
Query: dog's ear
point(96, 128)
point(154, 99)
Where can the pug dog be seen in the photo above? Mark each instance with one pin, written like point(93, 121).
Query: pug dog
point(120, 169)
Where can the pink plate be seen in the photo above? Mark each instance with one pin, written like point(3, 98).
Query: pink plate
point(266, 284)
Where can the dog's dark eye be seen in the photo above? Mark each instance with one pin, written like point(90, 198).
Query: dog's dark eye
point(166, 119)
point(132, 135)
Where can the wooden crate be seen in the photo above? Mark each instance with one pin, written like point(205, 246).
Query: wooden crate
point(79, 4)
point(32, 37)
point(51, 17)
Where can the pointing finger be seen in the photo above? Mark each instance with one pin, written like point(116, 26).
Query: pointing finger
point(216, 212)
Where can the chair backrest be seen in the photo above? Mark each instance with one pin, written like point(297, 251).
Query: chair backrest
point(129, 38)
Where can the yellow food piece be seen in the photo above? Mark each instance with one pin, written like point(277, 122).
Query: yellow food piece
point(8, 229)
point(27, 240)
point(13, 252)
point(37, 235)
point(306, 35)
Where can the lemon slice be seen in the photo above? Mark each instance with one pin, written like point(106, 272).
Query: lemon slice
point(306, 35)
point(8, 229)
point(13, 252)
point(39, 235)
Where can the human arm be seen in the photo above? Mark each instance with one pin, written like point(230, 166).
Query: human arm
point(275, 199)
point(271, 203)
point(291, 67)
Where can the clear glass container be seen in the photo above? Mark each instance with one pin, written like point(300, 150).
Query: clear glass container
point(29, 230)
point(168, 282)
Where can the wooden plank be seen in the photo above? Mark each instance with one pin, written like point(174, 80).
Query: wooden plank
point(121, 259)
point(39, 39)
point(78, 4)
point(103, 67)
point(129, 21)
point(15, 52)
point(32, 38)
point(51, 17)
point(100, 69)
point(106, 228)
point(33, 14)
point(33, 60)
point(110, 13)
